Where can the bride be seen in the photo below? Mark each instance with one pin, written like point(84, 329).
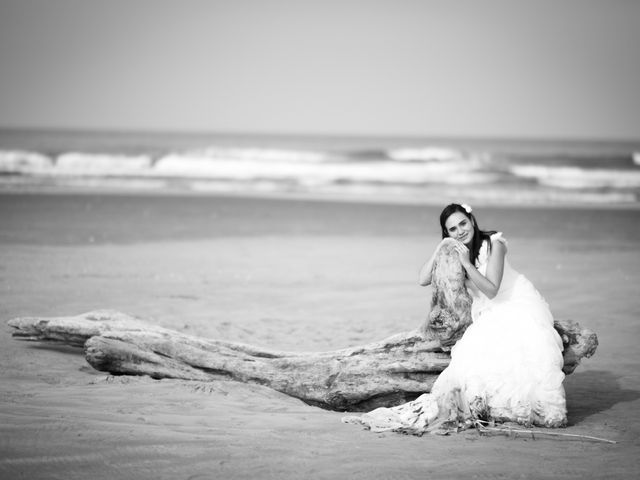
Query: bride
point(508, 364)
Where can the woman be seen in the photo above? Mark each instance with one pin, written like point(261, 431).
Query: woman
point(508, 364)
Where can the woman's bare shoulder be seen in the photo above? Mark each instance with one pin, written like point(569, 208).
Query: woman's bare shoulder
point(498, 237)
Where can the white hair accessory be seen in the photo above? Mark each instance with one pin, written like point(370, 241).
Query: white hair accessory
point(467, 208)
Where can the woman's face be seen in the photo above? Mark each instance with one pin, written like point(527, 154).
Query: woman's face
point(459, 227)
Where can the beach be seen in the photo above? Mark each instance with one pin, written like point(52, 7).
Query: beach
point(299, 275)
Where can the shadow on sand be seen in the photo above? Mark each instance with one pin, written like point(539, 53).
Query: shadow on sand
point(592, 392)
point(58, 347)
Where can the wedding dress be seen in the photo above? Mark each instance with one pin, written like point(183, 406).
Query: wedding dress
point(506, 367)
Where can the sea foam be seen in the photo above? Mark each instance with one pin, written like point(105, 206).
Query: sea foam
point(428, 154)
point(76, 163)
point(575, 177)
point(20, 161)
point(327, 171)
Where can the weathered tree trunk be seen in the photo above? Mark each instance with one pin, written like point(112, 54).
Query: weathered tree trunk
point(450, 313)
point(383, 373)
point(386, 372)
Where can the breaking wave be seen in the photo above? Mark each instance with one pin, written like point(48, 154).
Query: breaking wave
point(411, 173)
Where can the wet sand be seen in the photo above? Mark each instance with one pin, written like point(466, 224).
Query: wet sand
point(295, 275)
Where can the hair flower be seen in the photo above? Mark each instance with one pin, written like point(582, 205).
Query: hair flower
point(467, 208)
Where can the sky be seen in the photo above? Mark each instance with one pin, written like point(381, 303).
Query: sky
point(468, 68)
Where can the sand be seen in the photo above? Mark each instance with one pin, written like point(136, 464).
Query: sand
point(296, 275)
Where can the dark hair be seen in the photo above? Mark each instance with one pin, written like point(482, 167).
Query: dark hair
point(478, 235)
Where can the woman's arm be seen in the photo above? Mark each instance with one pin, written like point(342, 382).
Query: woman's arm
point(488, 284)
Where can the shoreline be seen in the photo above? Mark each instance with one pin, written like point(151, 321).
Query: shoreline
point(309, 196)
point(489, 172)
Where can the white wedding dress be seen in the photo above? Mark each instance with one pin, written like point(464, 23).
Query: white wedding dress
point(506, 367)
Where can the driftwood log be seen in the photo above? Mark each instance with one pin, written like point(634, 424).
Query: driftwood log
point(383, 373)
point(450, 312)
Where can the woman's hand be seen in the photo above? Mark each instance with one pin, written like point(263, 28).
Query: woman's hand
point(463, 254)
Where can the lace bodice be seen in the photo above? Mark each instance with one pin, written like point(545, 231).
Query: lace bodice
point(509, 277)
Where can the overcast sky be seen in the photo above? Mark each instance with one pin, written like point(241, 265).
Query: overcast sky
point(538, 68)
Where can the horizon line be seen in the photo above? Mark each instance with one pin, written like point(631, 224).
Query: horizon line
point(322, 135)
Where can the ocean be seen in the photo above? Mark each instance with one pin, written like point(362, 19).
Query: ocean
point(412, 170)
